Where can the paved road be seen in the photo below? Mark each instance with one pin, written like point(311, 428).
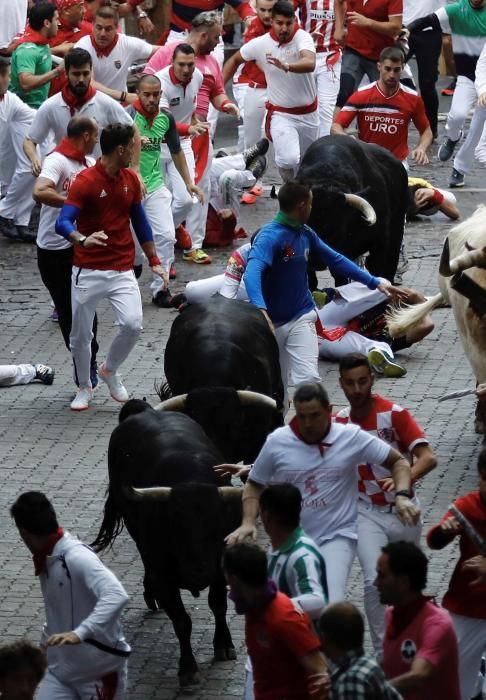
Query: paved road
point(45, 446)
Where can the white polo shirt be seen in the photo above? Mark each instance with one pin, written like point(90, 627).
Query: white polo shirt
point(54, 114)
point(326, 475)
point(13, 14)
point(62, 172)
point(283, 89)
point(112, 70)
point(177, 98)
point(13, 111)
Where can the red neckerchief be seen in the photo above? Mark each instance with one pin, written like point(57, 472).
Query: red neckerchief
point(323, 446)
point(103, 51)
point(256, 29)
point(402, 616)
point(40, 558)
point(65, 32)
point(68, 149)
point(31, 36)
point(287, 41)
point(140, 109)
point(75, 102)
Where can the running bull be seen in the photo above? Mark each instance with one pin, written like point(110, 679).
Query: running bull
point(462, 284)
point(222, 369)
point(163, 489)
point(360, 198)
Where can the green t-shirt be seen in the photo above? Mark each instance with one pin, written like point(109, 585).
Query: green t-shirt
point(152, 134)
point(35, 59)
point(464, 20)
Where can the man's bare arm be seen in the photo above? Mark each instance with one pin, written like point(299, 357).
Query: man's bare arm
point(250, 498)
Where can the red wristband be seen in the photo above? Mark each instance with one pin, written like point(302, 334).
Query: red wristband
point(153, 260)
point(182, 129)
point(437, 198)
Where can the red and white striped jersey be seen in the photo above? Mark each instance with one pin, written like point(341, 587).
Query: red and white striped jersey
point(396, 426)
point(317, 17)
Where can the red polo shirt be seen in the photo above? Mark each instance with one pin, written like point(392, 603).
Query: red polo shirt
point(105, 204)
point(367, 42)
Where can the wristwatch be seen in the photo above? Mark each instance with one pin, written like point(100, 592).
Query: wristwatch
point(81, 241)
point(404, 492)
point(141, 15)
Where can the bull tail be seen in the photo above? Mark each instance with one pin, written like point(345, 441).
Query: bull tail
point(111, 526)
point(399, 320)
point(163, 390)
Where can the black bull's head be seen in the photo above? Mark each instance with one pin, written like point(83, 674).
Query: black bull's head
point(335, 214)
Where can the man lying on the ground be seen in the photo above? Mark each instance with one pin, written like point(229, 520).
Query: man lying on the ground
point(427, 200)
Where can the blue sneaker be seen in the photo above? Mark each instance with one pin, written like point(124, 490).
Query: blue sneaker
point(382, 363)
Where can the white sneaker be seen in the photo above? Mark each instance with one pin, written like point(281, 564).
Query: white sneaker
point(114, 383)
point(82, 400)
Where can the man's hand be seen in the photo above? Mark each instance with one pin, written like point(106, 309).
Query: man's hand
point(96, 238)
point(196, 191)
point(407, 512)
point(199, 128)
point(390, 291)
point(340, 35)
point(145, 26)
point(357, 19)
point(451, 526)
point(482, 100)
point(423, 195)
point(232, 469)
point(232, 109)
point(159, 270)
point(274, 61)
point(420, 156)
point(36, 165)
point(476, 565)
point(59, 640)
point(241, 533)
point(481, 392)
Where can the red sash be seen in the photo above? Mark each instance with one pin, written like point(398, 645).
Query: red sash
point(330, 333)
point(307, 109)
point(200, 146)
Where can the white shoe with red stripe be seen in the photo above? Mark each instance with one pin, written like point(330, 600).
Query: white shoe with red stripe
point(114, 383)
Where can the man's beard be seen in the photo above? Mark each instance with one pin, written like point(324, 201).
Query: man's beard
point(78, 90)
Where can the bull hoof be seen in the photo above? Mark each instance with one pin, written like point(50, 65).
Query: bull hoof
point(189, 682)
point(225, 654)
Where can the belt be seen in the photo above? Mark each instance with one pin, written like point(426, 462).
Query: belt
point(260, 86)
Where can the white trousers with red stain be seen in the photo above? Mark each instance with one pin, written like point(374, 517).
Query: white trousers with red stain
point(157, 207)
point(471, 641)
point(11, 375)
point(51, 688)
point(327, 82)
point(292, 134)
point(88, 288)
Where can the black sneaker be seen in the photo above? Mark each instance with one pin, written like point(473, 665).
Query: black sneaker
point(259, 149)
point(221, 154)
point(25, 234)
point(163, 299)
point(457, 179)
point(447, 149)
point(258, 166)
point(8, 228)
point(44, 374)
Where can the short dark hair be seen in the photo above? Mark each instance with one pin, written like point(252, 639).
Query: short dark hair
point(115, 135)
point(392, 53)
point(406, 559)
point(75, 58)
point(247, 562)
point(292, 193)
point(283, 502)
point(33, 511)
point(186, 49)
point(39, 13)
point(283, 7)
point(482, 461)
point(21, 655)
point(342, 624)
point(80, 125)
point(148, 79)
point(107, 12)
point(353, 360)
point(308, 391)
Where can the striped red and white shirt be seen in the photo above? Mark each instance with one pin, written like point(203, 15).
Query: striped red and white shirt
point(394, 425)
point(318, 18)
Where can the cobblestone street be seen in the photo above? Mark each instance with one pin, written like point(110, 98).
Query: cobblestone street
point(45, 446)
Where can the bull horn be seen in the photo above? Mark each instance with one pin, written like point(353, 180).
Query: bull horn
point(369, 214)
point(153, 493)
point(228, 493)
point(472, 258)
point(253, 398)
point(175, 403)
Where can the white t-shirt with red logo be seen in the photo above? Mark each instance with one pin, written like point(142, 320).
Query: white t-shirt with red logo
point(283, 89)
point(325, 474)
point(62, 172)
point(395, 426)
point(178, 98)
point(384, 120)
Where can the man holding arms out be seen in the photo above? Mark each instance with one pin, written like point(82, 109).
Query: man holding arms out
point(320, 458)
point(102, 201)
point(378, 521)
point(385, 109)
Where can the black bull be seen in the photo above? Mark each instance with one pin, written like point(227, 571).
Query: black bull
point(338, 165)
point(181, 537)
point(216, 349)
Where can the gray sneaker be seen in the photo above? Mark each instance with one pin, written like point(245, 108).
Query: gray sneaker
point(457, 179)
point(447, 149)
